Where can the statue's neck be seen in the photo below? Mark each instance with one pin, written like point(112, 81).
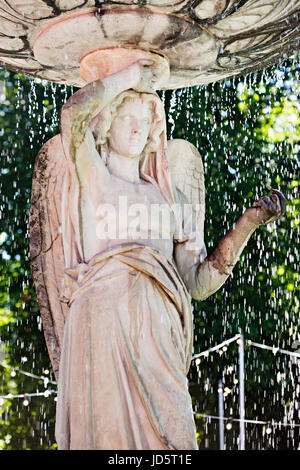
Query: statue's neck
point(124, 167)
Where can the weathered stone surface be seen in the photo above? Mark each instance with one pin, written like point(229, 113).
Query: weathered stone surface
point(46, 244)
point(205, 41)
point(114, 284)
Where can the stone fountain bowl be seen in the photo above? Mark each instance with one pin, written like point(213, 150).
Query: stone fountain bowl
point(202, 41)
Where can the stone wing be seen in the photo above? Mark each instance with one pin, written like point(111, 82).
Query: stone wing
point(186, 167)
point(46, 242)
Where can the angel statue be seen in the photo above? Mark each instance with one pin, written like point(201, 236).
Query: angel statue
point(117, 253)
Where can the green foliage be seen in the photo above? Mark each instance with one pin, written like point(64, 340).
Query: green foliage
point(28, 118)
point(247, 132)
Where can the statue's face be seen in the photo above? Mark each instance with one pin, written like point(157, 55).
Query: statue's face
point(130, 128)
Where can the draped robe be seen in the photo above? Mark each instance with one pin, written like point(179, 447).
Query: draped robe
point(126, 352)
point(128, 335)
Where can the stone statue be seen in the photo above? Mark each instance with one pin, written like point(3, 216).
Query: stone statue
point(115, 289)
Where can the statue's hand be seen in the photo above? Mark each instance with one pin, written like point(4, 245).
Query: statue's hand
point(147, 76)
point(131, 75)
point(267, 208)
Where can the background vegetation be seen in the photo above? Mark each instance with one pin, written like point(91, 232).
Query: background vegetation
point(247, 131)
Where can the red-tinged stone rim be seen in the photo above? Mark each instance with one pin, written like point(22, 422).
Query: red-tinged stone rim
point(108, 9)
point(62, 43)
point(118, 8)
point(61, 19)
point(204, 41)
point(103, 62)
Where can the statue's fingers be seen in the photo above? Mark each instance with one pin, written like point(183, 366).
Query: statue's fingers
point(276, 201)
point(279, 193)
point(265, 199)
point(268, 203)
point(274, 205)
point(281, 198)
point(265, 203)
point(271, 207)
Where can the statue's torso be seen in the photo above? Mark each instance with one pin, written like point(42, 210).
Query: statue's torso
point(123, 212)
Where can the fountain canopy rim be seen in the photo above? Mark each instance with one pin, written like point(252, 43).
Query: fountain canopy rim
point(203, 43)
point(60, 42)
point(103, 62)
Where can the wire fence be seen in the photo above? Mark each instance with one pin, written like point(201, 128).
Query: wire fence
point(48, 393)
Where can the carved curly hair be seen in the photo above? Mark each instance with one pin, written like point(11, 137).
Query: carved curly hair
point(101, 124)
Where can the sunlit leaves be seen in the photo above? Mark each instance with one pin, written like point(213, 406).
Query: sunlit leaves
point(247, 134)
point(281, 122)
point(21, 137)
point(278, 118)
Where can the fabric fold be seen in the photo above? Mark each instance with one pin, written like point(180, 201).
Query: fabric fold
point(131, 317)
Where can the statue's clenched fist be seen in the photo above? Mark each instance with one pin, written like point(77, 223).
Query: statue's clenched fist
point(267, 208)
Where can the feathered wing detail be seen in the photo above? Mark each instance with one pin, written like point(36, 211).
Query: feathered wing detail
point(46, 242)
point(54, 225)
point(185, 164)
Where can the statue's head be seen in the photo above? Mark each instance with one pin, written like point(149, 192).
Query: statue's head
point(117, 128)
point(131, 125)
point(130, 128)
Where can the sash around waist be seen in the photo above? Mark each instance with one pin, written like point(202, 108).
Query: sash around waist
point(133, 257)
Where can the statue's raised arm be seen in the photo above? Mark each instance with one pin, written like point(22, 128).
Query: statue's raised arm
point(56, 241)
point(115, 278)
point(80, 109)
